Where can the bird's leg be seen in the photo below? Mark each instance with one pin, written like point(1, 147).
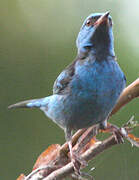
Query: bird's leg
point(117, 132)
point(74, 158)
point(77, 163)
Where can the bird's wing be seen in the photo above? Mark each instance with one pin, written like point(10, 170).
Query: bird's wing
point(61, 85)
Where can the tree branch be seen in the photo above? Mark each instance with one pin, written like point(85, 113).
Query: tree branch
point(88, 155)
point(129, 93)
point(55, 164)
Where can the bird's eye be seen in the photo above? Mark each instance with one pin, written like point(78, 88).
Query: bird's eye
point(91, 21)
point(88, 22)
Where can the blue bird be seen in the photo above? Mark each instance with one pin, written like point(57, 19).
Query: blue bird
point(86, 91)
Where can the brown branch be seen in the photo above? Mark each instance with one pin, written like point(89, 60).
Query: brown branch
point(129, 93)
point(88, 155)
point(61, 167)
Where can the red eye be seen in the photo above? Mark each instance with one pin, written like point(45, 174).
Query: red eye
point(88, 22)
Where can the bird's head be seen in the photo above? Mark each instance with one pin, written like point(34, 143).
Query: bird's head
point(96, 35)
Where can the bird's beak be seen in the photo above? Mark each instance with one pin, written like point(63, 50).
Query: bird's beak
point(102, 20)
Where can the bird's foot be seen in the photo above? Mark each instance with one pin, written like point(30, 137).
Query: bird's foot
point(118, 136)
point(78, 163)
point(118, 133)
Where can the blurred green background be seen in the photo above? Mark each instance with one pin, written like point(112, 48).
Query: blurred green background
point(37, 40)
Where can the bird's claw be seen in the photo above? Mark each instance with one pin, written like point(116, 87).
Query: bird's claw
point(78, 163)
point(118, 133)
point(118, 136)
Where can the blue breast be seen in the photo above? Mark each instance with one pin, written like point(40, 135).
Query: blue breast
point(95, 88)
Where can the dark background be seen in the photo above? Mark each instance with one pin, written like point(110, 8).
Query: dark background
point(37, 40)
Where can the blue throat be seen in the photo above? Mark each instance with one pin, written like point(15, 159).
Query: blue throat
point(99, 42)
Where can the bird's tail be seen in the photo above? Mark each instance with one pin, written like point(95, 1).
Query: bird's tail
point(33, 103)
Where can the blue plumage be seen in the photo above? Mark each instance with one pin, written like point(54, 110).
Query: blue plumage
point(87, 90)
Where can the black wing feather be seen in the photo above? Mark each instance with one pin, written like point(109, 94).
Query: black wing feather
point(61, 85)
